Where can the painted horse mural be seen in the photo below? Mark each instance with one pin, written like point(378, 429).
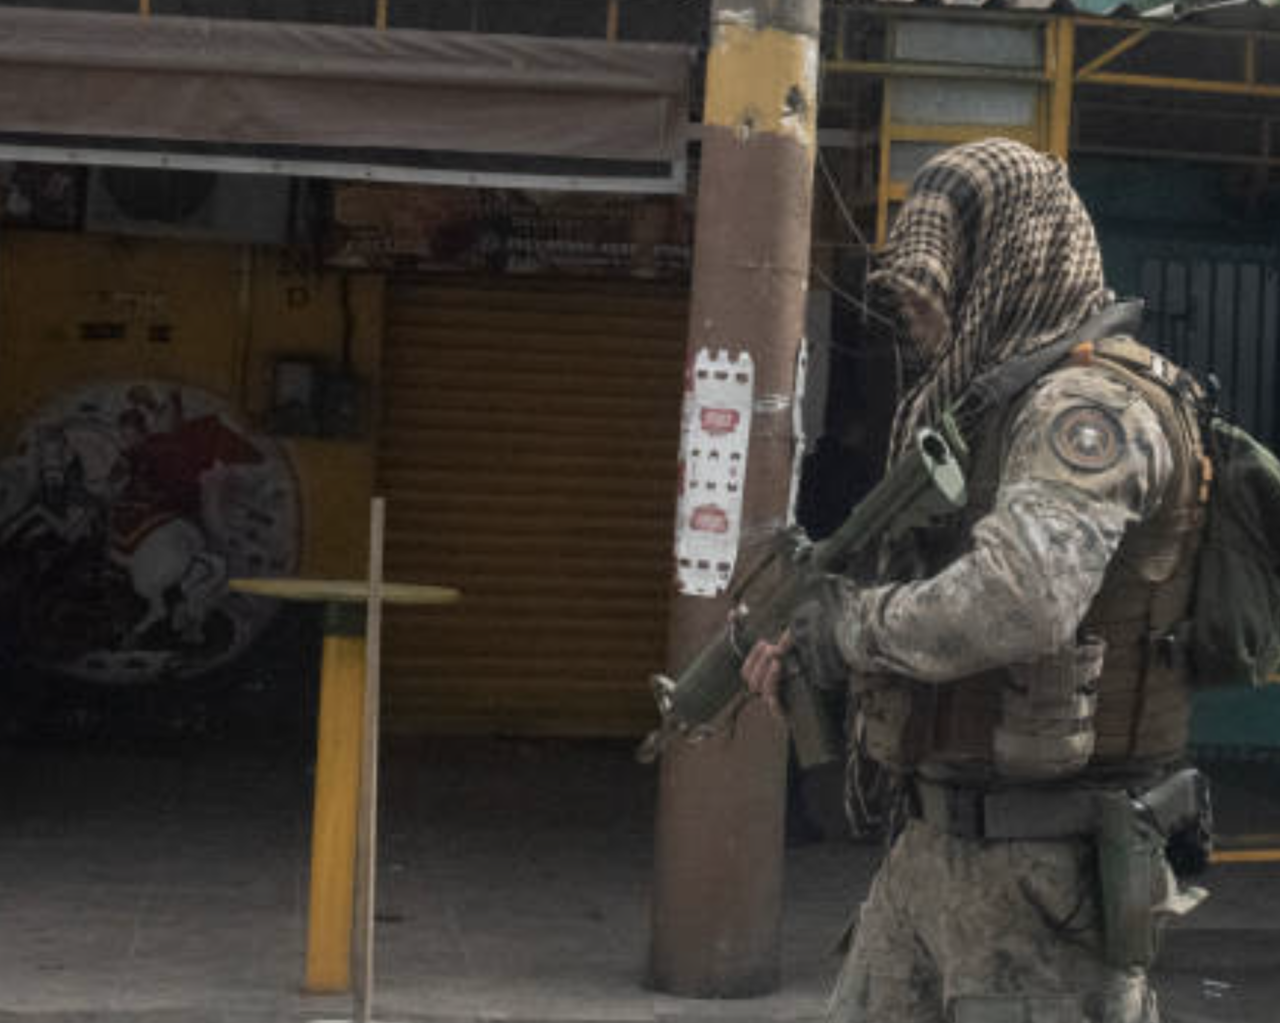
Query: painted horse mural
point(123, 511)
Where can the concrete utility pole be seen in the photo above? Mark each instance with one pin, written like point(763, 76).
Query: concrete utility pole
point(717, 901)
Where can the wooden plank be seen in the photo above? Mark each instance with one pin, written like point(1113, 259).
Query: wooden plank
point(367, 835)
point(343, 591)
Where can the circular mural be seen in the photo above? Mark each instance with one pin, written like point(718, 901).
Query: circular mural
point(124, 510)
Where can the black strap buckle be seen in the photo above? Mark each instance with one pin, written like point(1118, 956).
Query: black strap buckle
point(952, 809)
point(966, 810)
point(1171, 648)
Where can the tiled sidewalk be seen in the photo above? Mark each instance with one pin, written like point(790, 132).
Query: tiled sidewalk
point(514, 878)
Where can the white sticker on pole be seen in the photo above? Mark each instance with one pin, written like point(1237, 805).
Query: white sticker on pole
point(713, 462)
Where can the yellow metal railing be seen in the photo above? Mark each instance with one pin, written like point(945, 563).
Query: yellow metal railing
point(1056, 79)
point(1049, 128)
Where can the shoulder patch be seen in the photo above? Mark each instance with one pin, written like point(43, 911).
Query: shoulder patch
point(1087, 437)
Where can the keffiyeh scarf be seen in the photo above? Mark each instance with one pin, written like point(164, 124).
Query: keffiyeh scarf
point(993, 236)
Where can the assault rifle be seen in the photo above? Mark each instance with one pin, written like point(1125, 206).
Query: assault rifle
point(925, 484)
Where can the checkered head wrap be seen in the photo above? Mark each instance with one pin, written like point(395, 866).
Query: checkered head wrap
point(995, 239)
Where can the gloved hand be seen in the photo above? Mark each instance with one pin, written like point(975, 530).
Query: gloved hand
point(807, 647)
point(813, 651)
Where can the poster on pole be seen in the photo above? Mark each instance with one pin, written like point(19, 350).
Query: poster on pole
point(715, 430)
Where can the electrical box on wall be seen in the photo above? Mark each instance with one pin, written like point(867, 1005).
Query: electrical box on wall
point(310, 399)
point(341, 404)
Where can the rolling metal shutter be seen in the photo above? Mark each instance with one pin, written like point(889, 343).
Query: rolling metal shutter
point(528, 455)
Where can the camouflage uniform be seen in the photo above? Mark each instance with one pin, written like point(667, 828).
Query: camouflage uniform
point(963, 931)
point(971, 931)
point(1006, 660)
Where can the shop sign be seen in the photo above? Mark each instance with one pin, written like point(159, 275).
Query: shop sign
point(515, 231)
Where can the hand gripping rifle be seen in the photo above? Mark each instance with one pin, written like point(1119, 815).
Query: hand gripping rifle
point(925, 484)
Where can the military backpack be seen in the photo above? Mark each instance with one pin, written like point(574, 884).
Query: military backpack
point(1235, 627)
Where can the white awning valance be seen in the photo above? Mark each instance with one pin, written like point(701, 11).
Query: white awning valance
point(341, 102)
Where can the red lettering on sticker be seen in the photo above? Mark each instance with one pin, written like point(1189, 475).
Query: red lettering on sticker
point(709, 518)
point(718, 421)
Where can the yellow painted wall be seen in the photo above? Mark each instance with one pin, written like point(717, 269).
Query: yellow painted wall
point(230, 312)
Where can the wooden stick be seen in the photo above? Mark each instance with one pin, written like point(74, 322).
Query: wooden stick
point(367, 836)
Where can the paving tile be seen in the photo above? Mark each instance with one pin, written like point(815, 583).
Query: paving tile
point(514, 884)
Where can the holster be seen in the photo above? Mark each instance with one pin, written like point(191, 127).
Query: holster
point(1130, 864)
point(1138, 888)
point(1130, 833)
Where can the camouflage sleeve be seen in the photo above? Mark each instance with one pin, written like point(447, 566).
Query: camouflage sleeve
point(1086, 457)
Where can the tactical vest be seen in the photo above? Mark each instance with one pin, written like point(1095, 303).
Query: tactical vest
point(1143, 703)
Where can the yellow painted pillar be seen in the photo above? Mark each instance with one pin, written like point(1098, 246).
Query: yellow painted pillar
point(337, 794)
point(349, 607)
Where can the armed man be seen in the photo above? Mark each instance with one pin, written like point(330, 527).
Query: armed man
point(1014, 668)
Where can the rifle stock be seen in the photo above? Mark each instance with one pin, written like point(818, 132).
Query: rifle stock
point(925, 484)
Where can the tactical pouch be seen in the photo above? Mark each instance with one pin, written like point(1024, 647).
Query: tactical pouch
point(889, 726)
point(815, 719)
point(1047, 713)
point(1133, 875)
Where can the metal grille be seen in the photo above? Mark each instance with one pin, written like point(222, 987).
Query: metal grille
point(528, 454)
point(1221, 317)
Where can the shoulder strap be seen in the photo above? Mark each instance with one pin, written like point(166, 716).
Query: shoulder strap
point(1147, 363)
point(1005, 382)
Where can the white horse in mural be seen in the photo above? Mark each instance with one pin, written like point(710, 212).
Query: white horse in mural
point(173, 558)
point(158, 536)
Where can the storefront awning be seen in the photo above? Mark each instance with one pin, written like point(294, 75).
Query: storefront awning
point(330, 101)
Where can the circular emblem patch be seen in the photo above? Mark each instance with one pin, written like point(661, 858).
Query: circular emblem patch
point(1087, 438)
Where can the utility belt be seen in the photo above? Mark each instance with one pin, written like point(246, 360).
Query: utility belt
point(1137, 836)
point(1012, 814)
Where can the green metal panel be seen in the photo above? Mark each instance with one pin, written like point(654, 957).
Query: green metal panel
point(1237, 723)
point(1209, 271)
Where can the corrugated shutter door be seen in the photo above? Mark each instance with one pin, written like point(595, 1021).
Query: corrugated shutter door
point(527, 453)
